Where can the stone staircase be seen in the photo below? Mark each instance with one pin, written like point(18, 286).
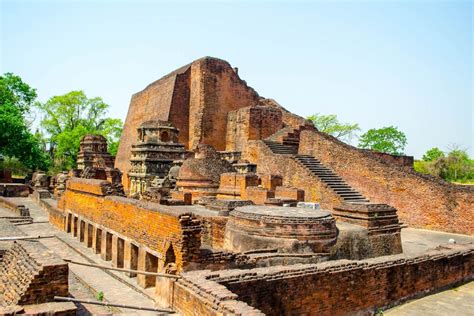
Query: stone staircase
point(329, 177)
point(325, 174)
point(281, 149)
point(288, 135)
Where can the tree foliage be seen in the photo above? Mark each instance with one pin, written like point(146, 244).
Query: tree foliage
point(67, 118)
point(15, 92)
point(455, 166)
point(330, 124)
point(387, 140)
point(16, 99)
point(433, 154)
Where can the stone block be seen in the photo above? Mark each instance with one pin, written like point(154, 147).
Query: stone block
point(311, 205)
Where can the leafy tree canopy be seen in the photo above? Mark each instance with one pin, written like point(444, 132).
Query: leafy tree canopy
point(433, 154)
point(16, 98)
point(14, 92)
point(455, 166)
point(67, 118)
point(330, 124)
point(387, 140)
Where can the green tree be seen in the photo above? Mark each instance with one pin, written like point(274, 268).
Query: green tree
point(433, 154)
point(456, 166)
point(112, 129)
point(16, 99)
point(15, 92)
point(67, 118)
point(387, 140)
point(330, 124)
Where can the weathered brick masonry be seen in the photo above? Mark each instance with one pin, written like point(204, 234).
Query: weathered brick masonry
point(330, 288)
point(293, 174)
point(156, 227)
point(14, 190)
point(29, 273)
point(195, 98)
point(421, 201)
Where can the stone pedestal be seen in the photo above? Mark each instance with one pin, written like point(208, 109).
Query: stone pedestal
point(287, 229)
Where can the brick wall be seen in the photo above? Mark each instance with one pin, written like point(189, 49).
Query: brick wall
point(189, 297)
point(421, 201)
point(400, 161)
point(152, 103)
point(29, 273)
point(220, 90)
point(56, 216)
point(195, 98)
point(16, 207)
point(151, 225)
point(213, 231)
point(294, 174)
point(251, 123)
point(330, 288)
point(14, 190)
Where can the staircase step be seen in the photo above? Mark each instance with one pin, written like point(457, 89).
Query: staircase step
point(345, 190)
point(355, 196)
point(331, 179)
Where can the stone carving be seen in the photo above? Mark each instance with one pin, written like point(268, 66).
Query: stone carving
point(154, 154)
point(40, 181)
point(60, 185)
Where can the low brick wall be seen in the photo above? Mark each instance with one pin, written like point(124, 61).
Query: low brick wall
point(151, 225)
point(29, 272)
point(422, 201)
point(31, 275)
point(14, 190)
point(55, 216)
point(331, 288)
point(17, 208)
point(400, 161)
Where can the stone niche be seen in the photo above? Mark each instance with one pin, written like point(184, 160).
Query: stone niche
point(287, 229)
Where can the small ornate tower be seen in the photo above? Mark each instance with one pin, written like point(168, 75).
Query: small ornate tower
point(153, 154)
point(93, 153)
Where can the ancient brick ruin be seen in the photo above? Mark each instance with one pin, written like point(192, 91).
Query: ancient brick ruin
point(235, 200)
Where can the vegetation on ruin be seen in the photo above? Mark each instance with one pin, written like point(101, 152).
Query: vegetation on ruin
point(16, 140)
point(67, 118)
point(455, 165)
point(331, 125)
point(388, 140)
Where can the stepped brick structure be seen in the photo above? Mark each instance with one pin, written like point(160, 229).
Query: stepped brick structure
point(201, 175)
point(29, 273)
point(213, 174)
point(93, 153)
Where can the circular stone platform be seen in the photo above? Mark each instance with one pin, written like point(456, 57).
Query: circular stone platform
point(288, 229)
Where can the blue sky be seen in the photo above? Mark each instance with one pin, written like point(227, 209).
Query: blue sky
point(377, 63)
